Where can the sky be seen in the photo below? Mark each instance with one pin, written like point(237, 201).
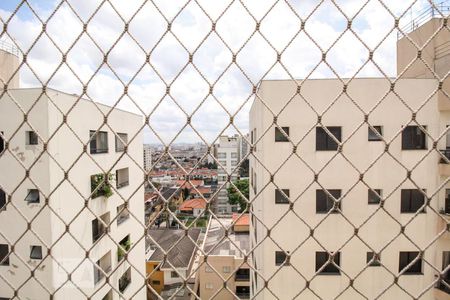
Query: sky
point(191, 36)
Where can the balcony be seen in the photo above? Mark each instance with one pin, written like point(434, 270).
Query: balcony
point(242, 275)
point(444, 167)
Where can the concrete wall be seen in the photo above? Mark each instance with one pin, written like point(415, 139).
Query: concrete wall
point(380, 171)
point(9, 73)
point(66, 202)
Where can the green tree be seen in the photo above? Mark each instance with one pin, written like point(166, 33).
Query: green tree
point(234, 197)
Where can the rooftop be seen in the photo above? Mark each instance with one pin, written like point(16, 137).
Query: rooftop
point(241, 220)
point(193, 203)
point(236, 244)
point(183, 248)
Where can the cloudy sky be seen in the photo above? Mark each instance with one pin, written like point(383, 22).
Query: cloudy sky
point(191, 33)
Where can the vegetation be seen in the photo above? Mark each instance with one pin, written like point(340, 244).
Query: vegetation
point(234, 197)
point(121, 252)
point(101, 186)
point(243, 172)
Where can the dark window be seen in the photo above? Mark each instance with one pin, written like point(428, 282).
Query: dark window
point(406, 258)
point(374, 196)
point(31, 138)
point(156, 282)
point(325, 203)
point(121, 141)
point(36, 252)
point(97, 229)
point(325, 142)
point(373, 136)
point(279, 136)
point(447, 201)
point(242, 275)
point(413, 138)
point(2, 199)
point(122, 178)
point(243, 292)
point(330, 268)
point(99, 142)
point(174, 274)
point(373, 259)
point(32, 196)
point(125, 280)
point(280, 198)
point(2, 142)
point(411, 201)
point(280, 257)
point(4, 255)
point(125, 245)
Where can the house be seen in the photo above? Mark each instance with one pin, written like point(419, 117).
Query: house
point(195, 206)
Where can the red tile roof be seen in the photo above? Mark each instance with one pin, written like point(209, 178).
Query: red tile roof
point(243, 220)
point(190, 204)
point(188, 184)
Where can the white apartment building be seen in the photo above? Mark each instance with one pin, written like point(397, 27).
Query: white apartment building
point(227, 153)
point(57, 218)
point(147, 157)
point(384, 226)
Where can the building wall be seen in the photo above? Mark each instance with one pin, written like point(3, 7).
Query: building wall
point(155, 276)
point(67, 201)
point(147, 158)
point(227, 153)
point(380, 171)
point(9, 73)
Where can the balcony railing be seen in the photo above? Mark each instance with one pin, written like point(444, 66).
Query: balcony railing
point(438, 10)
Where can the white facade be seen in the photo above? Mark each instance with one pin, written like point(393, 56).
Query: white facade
point(147, 158)
point(61, 202)
point(227, 153)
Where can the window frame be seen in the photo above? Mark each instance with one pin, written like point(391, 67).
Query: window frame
point(328, 201)
point(372, 135)
point(376, 262)
point(414, 138)
point(408, 209)
point(95, 138)
point(124, 183)
point(324, 142)
point(330, 268)
point(417, 264)
point(38, 255)
point(279, 136)
point(279, 196)
point(3, 255)
point(278, 255)
point(31, 138)
point(372, 194)
point(120, 146)
point(30, 200)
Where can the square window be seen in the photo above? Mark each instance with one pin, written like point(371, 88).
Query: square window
point(2, 142)
point(2, 199)
point(4, 255)
point(280, 258)
point(226, 269)
point(413, 138)
point(36, 252)
point(122, 178)
point(374, 196)
point(373, 259)
point(32, 196)
point(330, 268)
point(325, 203)
point(375, 134)
point(412, 200)
point(406, 258)
point(279, 136)
point(31, 138)
point(324, 141)
point(174, 274)
point(121, 141)
point(280, 198)
point(99, 142)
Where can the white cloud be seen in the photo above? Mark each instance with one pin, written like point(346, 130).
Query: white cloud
point(191, 31)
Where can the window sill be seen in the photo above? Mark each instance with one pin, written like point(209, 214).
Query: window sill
point(328, 274)
point(282, 141)
point(373, 203)
point(326, 150)
point(99, 152)
point(412, 273)
point(375, 140)
point(412, 149)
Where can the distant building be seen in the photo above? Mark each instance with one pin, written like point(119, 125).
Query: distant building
point(167, 275)
point(225, 258)
point(228, 154)
point(147, 157)
point(194, 206)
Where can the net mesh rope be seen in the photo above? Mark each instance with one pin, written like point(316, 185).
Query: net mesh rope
point(256, 23)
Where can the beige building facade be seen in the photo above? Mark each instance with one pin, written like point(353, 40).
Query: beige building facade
point(389, 182)
point(76, 224)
